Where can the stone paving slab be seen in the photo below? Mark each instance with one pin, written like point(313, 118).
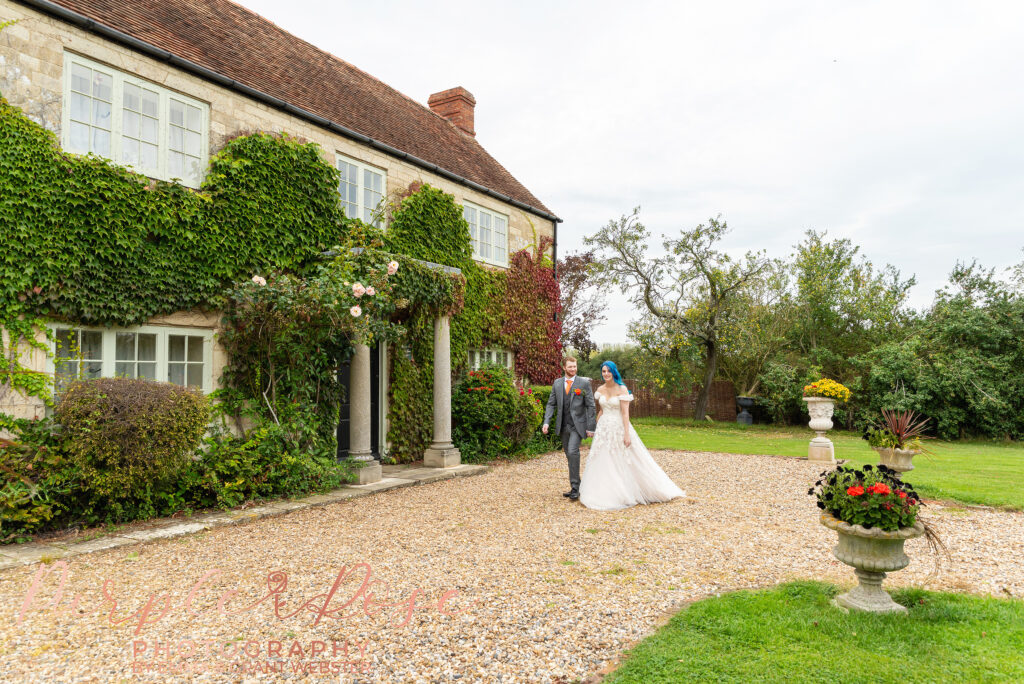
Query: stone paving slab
point(165, 532)
point(26, 554)
point(8, 562)
point(434, 474)
point(332, 497)
point(99, 544)
point(288, 506)
point(385, 483)
point(16, 555)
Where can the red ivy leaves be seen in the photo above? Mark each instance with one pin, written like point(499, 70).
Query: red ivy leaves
point(532, 304)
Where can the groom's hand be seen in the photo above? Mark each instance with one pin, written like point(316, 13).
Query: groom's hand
point(544, 429)
point(590, 433)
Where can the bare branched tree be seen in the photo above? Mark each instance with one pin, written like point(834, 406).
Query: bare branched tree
point(583, 304)
point(690, 290)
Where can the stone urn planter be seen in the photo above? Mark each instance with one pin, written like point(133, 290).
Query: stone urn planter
point(820, 410)
point(899, 460)
point(872, 553)
point(744, 416)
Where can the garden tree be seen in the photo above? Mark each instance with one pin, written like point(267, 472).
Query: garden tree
point(964, 365)
point(1017, 277)
point(762, 317)
point(844, 307)
point(582, 303)
point(622, 355)
point(689, 294)
point(667, 357)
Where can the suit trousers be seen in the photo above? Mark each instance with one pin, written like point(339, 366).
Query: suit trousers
point(571, 446)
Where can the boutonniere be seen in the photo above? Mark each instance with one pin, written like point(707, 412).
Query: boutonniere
point(578, 392)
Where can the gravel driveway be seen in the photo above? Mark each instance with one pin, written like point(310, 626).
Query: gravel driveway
point(550, 591)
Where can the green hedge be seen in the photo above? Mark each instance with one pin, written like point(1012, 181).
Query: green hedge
point(127, 434)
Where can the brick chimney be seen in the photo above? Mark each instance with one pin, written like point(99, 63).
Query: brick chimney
point(456, 105)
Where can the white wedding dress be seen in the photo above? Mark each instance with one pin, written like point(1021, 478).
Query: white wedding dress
point(617, 476)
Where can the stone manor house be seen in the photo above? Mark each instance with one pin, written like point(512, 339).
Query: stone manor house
point(160, 86)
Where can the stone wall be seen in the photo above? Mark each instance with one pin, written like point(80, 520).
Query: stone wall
point(19, 406)
point(31, 77)
point(31, 72)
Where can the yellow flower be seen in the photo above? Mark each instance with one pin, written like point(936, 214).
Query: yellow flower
point(827, 388)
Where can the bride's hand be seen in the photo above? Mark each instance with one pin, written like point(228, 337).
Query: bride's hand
point(626, 440)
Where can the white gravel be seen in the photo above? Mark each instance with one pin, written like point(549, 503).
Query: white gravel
point(560, 590)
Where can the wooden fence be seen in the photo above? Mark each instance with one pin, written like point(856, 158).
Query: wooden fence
point(649, 401)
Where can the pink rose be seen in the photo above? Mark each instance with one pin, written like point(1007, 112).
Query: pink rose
point(370, 291)
point(355, 311)
point(392, 267)
point(358, 290)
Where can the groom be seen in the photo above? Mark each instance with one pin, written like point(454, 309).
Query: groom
point(572, 404)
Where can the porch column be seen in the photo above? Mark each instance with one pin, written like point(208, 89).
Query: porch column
point(359, 417)
point(442, 453)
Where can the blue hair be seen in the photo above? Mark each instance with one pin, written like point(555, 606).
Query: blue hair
point(614, 370)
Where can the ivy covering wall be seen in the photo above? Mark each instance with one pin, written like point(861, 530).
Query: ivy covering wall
point(516, 309)
point(87, 241)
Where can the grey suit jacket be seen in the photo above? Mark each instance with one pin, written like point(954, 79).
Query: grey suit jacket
point(582, 412)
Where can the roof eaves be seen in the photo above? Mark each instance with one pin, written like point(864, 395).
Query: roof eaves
point(161, 54)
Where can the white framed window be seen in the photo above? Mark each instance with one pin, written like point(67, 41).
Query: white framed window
point(489, 233)
point(479, 357)
point(155, 131)
point(362, 189)
point(182, 356)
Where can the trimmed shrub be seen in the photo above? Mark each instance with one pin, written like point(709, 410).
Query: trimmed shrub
point(127, 434)
point(491, 416)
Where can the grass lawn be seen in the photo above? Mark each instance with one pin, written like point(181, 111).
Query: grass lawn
point(974, 472)
point(791, 633)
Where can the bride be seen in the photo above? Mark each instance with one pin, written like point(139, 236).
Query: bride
point(620, 472)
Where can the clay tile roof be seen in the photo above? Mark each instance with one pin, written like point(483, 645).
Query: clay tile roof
point(241, 45)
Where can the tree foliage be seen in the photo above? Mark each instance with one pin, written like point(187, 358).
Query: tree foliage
point(689, 294)
point(583, 304)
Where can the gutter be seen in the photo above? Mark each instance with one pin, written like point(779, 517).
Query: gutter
point(105, 31)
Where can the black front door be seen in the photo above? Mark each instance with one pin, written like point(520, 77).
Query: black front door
point(344, 377)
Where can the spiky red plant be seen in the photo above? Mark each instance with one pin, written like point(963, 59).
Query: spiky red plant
point(904, 426)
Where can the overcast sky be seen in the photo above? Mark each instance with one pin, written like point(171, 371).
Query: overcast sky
point(896, 124)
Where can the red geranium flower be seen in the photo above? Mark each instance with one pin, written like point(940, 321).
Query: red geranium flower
point(879, 488)
point(902, 495)
point(855, 491)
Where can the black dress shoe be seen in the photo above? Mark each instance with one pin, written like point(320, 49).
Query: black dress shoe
point(574, 496)
point(568, 493)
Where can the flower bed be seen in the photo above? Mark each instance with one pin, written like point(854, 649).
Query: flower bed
point(869, 496)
